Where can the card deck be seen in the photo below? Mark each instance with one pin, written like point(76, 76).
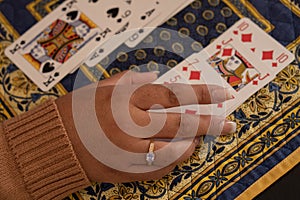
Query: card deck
point(59, 43)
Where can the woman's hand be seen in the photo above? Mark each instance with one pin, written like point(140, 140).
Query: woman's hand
point(121, 105)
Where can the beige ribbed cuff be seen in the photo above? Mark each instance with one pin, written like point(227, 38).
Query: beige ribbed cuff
point(44, 154)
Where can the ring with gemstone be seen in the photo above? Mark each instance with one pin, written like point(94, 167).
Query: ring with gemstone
point(150, 156)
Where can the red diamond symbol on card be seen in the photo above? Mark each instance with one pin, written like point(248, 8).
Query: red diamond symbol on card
point(193, 112)
point(253, 49)
point(227, 52)
point(195, 75)
point(184, 68)
point(219, 46)
point(274, 64)
point(220, 105)
point(255, 82)
point(247, 37)
point(235, 32)
point(267, 55)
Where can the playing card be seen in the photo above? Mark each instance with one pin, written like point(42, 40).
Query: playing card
point(241, 75)
point(55, 46)
point(261, 44)
point(108, 15)
point(193, 70)
point(191, 74)
point(171, 76)
point(231, 63)
point(227, 70)
point(234, 61)
point(143, 12)
point(225, 67)
point(167, 8)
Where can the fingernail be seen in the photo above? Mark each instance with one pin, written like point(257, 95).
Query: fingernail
point(156, 72)
point(221, 94)
point(229, 127)
point(197, 141)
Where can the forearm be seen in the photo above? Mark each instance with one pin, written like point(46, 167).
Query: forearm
point(37, 158)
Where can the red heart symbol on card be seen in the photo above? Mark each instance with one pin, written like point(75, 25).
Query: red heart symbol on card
point(235, 32)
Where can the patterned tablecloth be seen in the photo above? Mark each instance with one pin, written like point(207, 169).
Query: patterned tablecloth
point(241, 165)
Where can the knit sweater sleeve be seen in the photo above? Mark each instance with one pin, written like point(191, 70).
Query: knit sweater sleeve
point(37, 158)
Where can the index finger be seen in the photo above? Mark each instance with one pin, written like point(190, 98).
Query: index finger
point(173, 95)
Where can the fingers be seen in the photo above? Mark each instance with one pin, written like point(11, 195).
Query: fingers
point(173, 95)
point(187, 125)
point(166, 158)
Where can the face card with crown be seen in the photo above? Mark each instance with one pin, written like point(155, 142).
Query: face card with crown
point(241, 71)
point(56, 45)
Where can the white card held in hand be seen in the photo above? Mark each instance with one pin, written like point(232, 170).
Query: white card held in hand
point(57, 44)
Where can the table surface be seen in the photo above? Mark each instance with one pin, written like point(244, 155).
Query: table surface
point(240, 166)
point(285, 188)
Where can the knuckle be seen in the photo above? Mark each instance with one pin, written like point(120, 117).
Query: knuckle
point(171, 95)
point(184, 127)
point(202, 94)
point(189, 125)
point(207, 123)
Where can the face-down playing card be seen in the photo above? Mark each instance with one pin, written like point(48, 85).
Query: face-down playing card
point(54, 46)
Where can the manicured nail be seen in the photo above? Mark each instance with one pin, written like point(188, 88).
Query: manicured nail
point(197, 141)
point(229, 127)
point(221, 94)
point(155, 72)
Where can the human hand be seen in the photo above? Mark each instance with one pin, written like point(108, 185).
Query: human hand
point(120, 105)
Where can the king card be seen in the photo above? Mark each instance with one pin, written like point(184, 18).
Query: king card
point(55, 46)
